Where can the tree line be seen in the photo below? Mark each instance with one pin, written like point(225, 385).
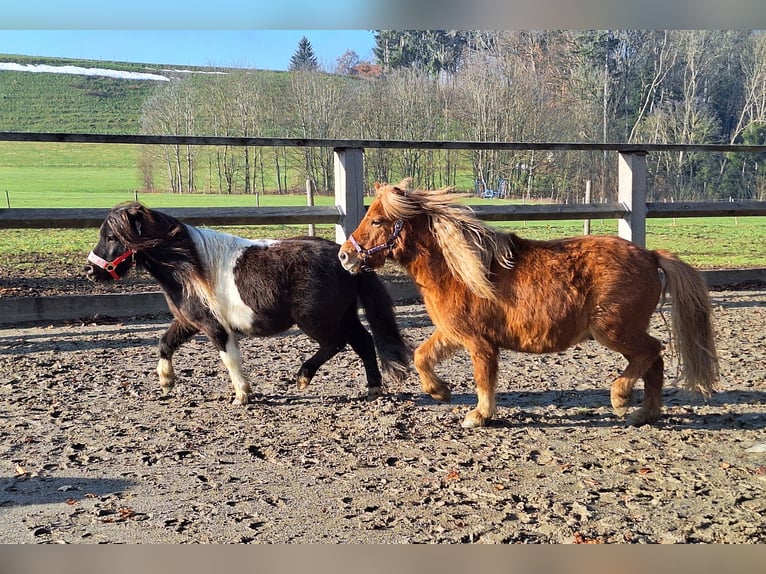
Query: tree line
point(617, 86)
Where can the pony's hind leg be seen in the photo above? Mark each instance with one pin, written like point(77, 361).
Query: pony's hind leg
point(349, 331)
point(484, 357)
point(432, 351)
point(364, 346)
point(651, 408)
point(309, 368)
point(176, 335)
point(644, 360)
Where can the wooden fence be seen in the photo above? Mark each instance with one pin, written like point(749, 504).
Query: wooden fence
point(631, 210)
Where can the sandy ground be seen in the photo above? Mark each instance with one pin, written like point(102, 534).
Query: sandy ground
point(90, 452)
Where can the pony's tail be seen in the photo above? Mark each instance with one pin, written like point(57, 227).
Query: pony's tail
point(691, 324)
point(394, 354)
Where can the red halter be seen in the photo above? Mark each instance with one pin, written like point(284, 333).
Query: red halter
point(110, 266)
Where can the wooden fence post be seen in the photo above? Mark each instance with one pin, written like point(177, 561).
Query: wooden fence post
point(632, 194)
point(349, 190)
point(310, 201)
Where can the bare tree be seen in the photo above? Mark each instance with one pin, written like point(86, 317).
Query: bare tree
point(346, 64)
point(218, 118)
point(753, 68)
point(317, 104)
point(680, 86)
point(511, 92)
point(415, 114)
point(171, 111)
point(663, 56)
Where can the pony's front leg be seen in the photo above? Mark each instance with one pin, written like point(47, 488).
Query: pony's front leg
point(432, 351)
point(228, 349)
point(484, 357)
point(176, 335)
point(232, 358)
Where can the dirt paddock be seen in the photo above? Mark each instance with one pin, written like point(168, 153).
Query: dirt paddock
point(90, 451)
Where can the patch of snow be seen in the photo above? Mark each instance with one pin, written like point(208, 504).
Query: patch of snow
point(79, 70)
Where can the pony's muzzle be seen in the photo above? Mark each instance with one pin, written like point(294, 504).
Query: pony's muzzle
point(88, 272)
point(109, 267)
point(91, 273)
point(347, 262)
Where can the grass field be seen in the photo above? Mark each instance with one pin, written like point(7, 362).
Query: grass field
point(88, 175)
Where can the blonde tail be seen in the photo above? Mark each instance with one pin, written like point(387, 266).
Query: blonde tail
point(691, 324)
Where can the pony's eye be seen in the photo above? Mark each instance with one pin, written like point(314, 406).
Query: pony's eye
point(111, 238)
point(377, 223)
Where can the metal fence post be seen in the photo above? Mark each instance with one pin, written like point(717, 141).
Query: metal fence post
point(632, 194)
point(349, 189)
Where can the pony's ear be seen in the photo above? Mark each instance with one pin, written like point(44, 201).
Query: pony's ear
point(398, 190)
point(136, 214)
point(377, 185)
point(403, 186)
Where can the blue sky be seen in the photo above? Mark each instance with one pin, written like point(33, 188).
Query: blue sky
point(183, 14)
point(263, 49)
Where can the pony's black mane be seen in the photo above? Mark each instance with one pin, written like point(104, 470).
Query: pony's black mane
point(162, 243)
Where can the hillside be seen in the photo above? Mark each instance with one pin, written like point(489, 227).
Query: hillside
point(57, 102)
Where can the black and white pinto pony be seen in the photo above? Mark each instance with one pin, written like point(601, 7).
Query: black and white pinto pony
point(225, 286)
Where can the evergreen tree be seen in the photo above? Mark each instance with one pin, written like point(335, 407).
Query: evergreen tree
point(304, 59)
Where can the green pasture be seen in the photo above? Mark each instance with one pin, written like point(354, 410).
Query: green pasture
point(88, 197)
point(41, 156)
point(75, 175)
point(95, 175)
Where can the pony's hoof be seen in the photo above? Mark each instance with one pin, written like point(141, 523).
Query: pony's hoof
point(473, 420)
point(303, 382)
point(620, 401)
point(443, 394)
point(374, 393)
point(642, 417)
point(166, 390)
point(620, 411)
point(240, 400)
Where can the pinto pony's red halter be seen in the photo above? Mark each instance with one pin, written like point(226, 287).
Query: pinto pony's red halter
point(110, 266)
point(365, 253)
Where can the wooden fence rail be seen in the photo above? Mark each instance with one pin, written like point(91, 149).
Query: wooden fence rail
point(77, 218)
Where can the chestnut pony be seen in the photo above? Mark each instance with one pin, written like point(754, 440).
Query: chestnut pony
point(226, 286)
point(486, 290)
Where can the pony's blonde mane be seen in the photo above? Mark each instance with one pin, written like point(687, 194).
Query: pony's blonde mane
point(469, 246)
